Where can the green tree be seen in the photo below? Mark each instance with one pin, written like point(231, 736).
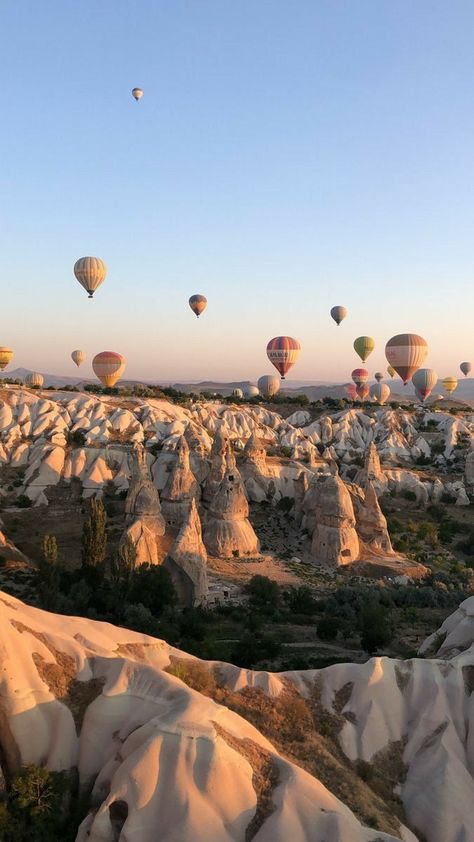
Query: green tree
point(94, 536)
point(122, 564)
point(375, 625)
point(49, 571)
point(151, 586)
point(33, 810)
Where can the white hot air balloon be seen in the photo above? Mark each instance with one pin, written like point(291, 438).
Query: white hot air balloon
point(251, 391)
point(78, 357)
point(380, 392)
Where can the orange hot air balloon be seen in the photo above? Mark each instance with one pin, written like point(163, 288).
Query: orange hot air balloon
point(6, 356)
point(450, 384)
point(351, 391)
point(108, 367)
point(363, 391)
point(391, 371)
point(465, 367)
point(90, 272)
point(406, 352)
point(338, 313)
point(378, 376)
point(78, 357)
point(283, 352)
point(360, 375)
point(198, 304)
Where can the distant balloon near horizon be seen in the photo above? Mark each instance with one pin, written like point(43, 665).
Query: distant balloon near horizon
point(391, 371)
point(338, 313)
point(283, 352)
point(34, 380)
point(351, 391)
point(137, 94)
point(424, 381)
point(6, 356)
point(108, 367)
point(251, 391)
point(380, 392)
point(268, 385)
point(465, 368)
point(198, 304)
point(363, 346)
point(378, 376)
point(237, 393)
point(450, 384)
point(406, 352)
point(363, 391)
point(90, 272)
point(78, 357)
point(360, 375)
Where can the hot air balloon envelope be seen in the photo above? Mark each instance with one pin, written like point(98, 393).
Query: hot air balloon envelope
point(378, 376)
point(78, 357)
point(34, 380)
point(137, 93)
point(391, 371)
point(406, 352)
point(363, 346)
point(465, 368)
point(90, 272)
point(380, 392)
point(424, 381)
point(269, 385)
point(360, 375)
point(450, 384)
point(6, 356)
point(198, 304)
point(251, 391)
point(338, 313)
point(108, 366)
point(283, 352)
point(363, 391)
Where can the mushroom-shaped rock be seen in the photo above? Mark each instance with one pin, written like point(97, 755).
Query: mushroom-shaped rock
point(255, 453)
point(228, 531)
point(187, 561)
point(145, 524)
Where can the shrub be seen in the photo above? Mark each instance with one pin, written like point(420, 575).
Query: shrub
point(328, 628)
point(24, 502)
point(409, 495)
point(33, 810)
point(264, 594)
point(151, 585)
point(94, 536)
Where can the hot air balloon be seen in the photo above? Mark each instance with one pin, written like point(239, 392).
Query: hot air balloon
point(34, 380)
point(363, 391)
point(406, 352)
point(78, 357)
point(380, 392)
point(283, 351)
point(360, 375)
point(351, 391)
point(378, 376)
point(198, 304)
point(237, 393)
point(424, 381)
point(419, 395)
point(269, 385)
point(338, 313)
point(108, 366)
point(6, 356)
point(251, 391)
point(137, 93)
point(363, 346)
point(450, 384)
point(90, 272)
point(465, 368)
point(391, 371)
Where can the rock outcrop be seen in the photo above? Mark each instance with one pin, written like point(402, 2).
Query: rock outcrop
point(187, 561)
point(228, 530)
point(144, 521)
point(371, 523)
point(221, 457)
point(334, 541)
point(180, 489)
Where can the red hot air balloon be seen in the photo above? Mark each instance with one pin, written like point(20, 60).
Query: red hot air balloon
point(351, 391)
point(360, 375)
point(363, 391)
point(283, 352)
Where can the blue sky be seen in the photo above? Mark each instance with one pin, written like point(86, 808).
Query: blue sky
point(285, 157)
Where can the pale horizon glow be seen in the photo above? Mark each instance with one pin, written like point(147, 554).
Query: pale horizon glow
point(284, 158)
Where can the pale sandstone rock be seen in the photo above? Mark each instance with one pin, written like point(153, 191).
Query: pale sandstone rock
point(228, 531)
point(334, 540)
point(187, 561)
point(180, 489)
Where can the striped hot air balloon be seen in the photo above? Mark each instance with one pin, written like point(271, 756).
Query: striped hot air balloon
point(450, 384)
point(406, 352)
point(391, 371)
point(90, 272)
point(237, 393)
point(360, 375)
point(6, 356)
point(363, 346)
point(78, 357)
point(424, 381)
point(363, 391)
point(137, 93)
point(268, 385)
point(283, 352)
point(34, 380)
point(108, 367)
point(338, 313)
point(380, 392)
point(465, 368)
point(251, 391)
point(198, 304)
point(378, 376)
point(351, 391)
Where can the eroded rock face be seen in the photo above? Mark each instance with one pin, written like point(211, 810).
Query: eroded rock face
point(221, 457)
point(180, 489)
point(187, 561)
point(144, 521)
point(335, 541)
point(228, 531)
point(371, 523)
point(255, 453)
